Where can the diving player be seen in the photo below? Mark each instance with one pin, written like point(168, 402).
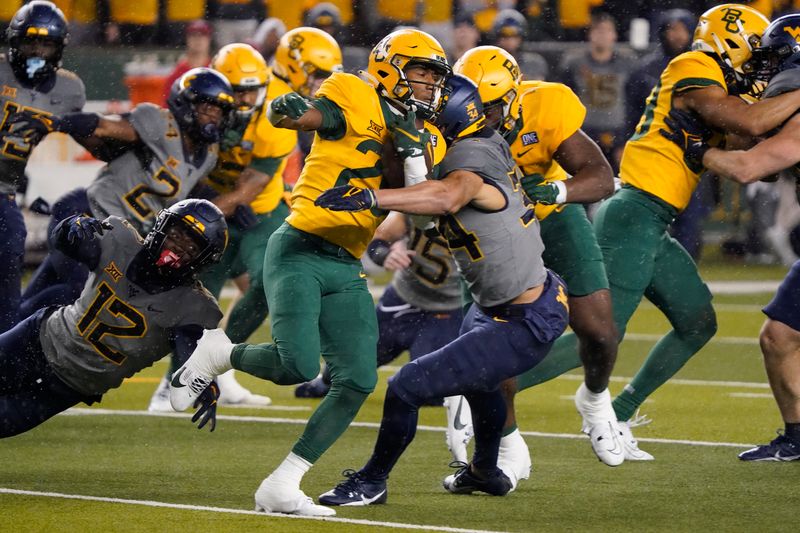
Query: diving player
point(520, 309)
point(641, 258)
point(142, 300)
point(316, 289)
point(155, 157)
point(776, 59)
point(541, 121)
point(30, 80)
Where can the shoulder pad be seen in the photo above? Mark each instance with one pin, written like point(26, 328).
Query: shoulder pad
point(783, 82)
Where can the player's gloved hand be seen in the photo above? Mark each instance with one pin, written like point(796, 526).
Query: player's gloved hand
point(40, 206)
point(85, 228)
point(32, 127)
point(690, 134)
point(408, 140)
point(543, 192)
point(206, 405)
point(244, 217)
point(290, 105)
point(230, 138)
point(347, 198)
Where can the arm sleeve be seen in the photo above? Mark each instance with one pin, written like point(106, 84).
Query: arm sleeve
point(334, 124)
point(184, 341)
point(86, 251)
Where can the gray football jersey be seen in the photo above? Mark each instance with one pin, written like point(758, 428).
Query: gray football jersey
point(432, 282)
point(115, 328)
point(67, 95)
point(153, 175)
point(499, 253)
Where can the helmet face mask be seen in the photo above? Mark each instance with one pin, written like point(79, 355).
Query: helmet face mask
point(400, 52)
point(497, 75)
point(462, 112)
point(188, 93)
point(186, 237)
point(304, 57)
point(778, 49)
point(37, 35)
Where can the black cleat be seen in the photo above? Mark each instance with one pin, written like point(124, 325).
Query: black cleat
point(356, 490)
point(465, 482)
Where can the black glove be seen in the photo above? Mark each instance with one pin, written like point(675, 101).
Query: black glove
point(690, 134)
point(244, 217)
point(32, 127)
point(41, 206)
point(347, 198)
point(206, 405)
point(85, 228)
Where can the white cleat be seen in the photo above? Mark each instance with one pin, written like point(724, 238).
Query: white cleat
point(514, 458)
point(276, 497)
point(159, 402)
point(459, 427)
point(210, 358)
point(629, 443)
point(232, 393)
point(600, 423)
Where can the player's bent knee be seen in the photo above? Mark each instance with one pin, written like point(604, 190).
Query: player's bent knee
point(362, 382)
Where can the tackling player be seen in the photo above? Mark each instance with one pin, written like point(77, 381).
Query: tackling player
point(316, 289)
point(640, 256)
point(776, 59)
point(541, 121)
point(142, 301)
point(30, 80)
point(521, 307)
point(155, 156)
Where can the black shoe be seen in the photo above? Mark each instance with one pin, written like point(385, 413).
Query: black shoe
point(316, 388)
point(355, 491)
point(782, 448)
point(465, 482)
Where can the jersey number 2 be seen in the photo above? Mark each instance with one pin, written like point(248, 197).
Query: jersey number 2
point(94, 335)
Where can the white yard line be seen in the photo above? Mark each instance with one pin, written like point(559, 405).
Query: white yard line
point(204, 508)
point(82, 411)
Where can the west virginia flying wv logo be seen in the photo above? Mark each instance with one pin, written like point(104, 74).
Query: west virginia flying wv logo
point(794, 31)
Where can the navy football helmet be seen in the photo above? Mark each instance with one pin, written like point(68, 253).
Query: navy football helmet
point(197, 86)
point(779, 48)
point(38, 20)
point(462, 113)
point(198, 220)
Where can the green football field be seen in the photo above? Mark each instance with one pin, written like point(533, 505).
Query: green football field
point(117, 468)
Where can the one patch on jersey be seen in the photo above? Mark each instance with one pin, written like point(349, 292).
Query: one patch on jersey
point(375, 128)
point(113, 271)
point(434, 140)
point(9, 92)
point(530, 138)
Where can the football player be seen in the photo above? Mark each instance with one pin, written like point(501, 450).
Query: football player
point(248, 187)
point(778, 56)
point(641, 258)
point(541, 121)
point(142, 301)
point(317, 292)
point(32, 80)
point(520, 307)
point(155, 156)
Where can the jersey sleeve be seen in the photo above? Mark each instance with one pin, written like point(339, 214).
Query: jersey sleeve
point(150, 123)
point(567, 111)
point(352, 97)
point(695, 70)
point(473, 155)
point(783, 82)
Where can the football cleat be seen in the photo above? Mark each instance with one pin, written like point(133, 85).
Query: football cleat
point(514, 458)
point(600, 423)
point(629, 443)
point(316, 388)
point(356, 491)
point(231, 393)
point(159, 402)
point(210, 358)
point(276, 497)
point(459, 427)
point(465, 482)
point(782, 449)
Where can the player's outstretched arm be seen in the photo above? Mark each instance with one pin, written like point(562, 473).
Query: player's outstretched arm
point(76, 237)
point(292, 111)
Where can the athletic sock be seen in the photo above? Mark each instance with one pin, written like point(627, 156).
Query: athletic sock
point(398, 427)
point(793, 431)
point(488, 417)
point(291, 470)
point(510, 429)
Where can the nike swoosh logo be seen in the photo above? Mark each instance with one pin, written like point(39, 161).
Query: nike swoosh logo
point(522, 153)
point(412, 137)
point(368, 501)
point(457, 421)
point(175, 382)
point(780, 457)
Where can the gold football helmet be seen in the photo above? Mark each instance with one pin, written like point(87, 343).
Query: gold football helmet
point(304, 54)
point(394, 54)
point(497, 75)
point(731, 31)
point(245, 69)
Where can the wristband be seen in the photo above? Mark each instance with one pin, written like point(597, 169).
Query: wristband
point(415, 170)
point(561, 197)
point(377, 250)
point(79, 124)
